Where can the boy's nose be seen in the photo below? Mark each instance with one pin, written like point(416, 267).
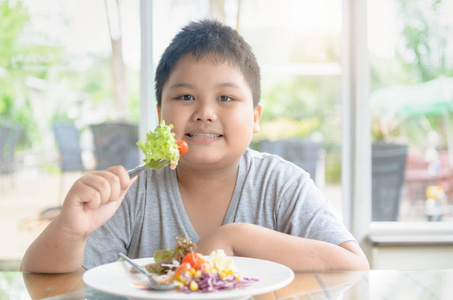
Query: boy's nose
point(205, 112)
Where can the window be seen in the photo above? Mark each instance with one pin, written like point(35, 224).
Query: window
point(56, 66)
point(411, 63)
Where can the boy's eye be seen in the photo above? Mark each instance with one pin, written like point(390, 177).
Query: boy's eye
point(224, 98)
point(186, 97)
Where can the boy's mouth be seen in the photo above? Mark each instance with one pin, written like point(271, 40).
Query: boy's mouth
point(204, 135)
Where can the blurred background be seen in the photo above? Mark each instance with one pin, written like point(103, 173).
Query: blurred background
point(70, 98)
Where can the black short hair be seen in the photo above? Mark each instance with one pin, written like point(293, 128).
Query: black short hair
point(210, 38)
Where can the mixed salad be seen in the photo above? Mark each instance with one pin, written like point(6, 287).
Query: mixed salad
point(161, 148)
point(192, 272)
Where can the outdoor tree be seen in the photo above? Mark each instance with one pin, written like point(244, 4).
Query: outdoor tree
point(113, 12)
point(26, 57)
point(13, 17)
point(426, 34)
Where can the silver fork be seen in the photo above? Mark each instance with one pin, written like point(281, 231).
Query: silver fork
point(154, 164)
point(135, 171)
point(152, 282)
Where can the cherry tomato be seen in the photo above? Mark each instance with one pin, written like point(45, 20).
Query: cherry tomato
point(196, 260)
point(183, 147)
point(183, 268)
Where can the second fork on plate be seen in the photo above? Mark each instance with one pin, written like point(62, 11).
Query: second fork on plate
point(155, 285)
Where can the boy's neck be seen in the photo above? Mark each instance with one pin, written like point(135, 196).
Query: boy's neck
point(206, 195)
point(195, 177)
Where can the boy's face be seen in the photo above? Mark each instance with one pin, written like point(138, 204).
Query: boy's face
point(211, 107)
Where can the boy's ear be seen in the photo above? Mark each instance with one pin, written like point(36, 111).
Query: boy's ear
point(158, 112)
point(256, 118)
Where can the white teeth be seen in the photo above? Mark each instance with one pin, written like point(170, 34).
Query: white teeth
point(205, 135)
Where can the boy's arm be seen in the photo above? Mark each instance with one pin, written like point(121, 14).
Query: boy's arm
point(54, 251)
point(298, 253)
point(91, 201)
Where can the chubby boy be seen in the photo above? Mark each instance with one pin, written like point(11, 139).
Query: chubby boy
point(222, 194)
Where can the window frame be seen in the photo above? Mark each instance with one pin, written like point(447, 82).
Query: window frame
point(356, 137)
point(148, 111)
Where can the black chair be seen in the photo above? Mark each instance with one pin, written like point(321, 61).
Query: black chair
point(9, 138)
point(302, 153)
point(4, 133)
point(388, 168)
point(115, 144)
point(67, 137)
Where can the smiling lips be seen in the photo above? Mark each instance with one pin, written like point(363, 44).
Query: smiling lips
point(204, 135)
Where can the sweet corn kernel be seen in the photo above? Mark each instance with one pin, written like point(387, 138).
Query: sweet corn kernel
point(193, 286)
point(226, 273)
point(192, 271)
point(239, 278)
point(197, 274)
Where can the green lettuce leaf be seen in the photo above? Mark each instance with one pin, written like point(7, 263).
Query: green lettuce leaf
point(160, 255)
point(162, 258)
point(160, 147)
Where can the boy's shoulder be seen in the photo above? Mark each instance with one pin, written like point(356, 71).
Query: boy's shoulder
point(252, 154)
point(271, 163)
point(272, 173)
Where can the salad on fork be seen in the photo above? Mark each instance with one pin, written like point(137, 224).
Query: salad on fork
point(161, 148)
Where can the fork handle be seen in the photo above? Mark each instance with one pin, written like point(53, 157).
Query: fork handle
point(135, 171)
point(134, 265)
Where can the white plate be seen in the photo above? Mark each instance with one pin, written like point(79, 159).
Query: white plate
point(116, 279)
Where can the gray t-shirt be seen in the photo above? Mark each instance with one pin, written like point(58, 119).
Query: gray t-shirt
point(269, 192)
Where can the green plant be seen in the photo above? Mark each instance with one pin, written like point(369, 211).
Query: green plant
point(385, 127)
point(426, 38)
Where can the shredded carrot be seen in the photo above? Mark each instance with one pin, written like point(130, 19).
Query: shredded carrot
point(139, 284)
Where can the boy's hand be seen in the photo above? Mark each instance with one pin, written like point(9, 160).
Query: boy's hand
point(218, 239)
point(93, 199)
